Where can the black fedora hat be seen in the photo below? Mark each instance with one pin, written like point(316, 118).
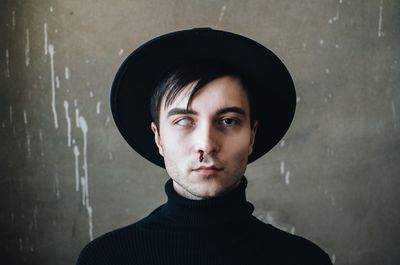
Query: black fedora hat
point(272, 87)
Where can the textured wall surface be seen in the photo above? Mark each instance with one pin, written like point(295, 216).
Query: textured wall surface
point(67, 176)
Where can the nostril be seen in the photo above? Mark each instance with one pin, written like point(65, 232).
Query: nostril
point(201, 158)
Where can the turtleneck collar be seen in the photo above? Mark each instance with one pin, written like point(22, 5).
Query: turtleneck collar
point(228, 209)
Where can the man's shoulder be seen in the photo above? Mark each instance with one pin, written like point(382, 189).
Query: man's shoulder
point(119, 244)
point(107, 245)
point(285, 244)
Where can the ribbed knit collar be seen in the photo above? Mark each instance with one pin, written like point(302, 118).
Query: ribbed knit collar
point(228, 209)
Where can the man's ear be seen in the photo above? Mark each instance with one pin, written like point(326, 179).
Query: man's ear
point(157, 138)
point(253, 137)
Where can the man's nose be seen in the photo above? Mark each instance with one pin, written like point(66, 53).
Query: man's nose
point(206, 139)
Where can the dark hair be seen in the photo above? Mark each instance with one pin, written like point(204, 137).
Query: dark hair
point(202, 72)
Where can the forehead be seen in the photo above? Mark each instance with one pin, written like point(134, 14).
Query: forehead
point(225, 91)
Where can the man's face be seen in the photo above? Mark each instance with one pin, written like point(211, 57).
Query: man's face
point(206, 147)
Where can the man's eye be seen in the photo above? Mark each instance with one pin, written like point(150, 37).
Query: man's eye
point(184, 122)
point(229, 121)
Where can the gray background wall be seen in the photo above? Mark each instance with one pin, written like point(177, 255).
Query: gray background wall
point(66, 175)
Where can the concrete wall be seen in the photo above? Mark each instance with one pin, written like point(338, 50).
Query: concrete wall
point(334, 179)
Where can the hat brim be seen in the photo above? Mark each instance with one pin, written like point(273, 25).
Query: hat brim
point(272, 88)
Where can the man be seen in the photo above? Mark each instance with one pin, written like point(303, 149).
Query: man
point(218, 101)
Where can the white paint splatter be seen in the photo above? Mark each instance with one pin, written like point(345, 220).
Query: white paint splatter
point(380, 33)
point(7, 64)
point(40, 136)
point(51, 9)
point(90, 221)
point(107, 121)
point(297, 99)
point(45, 39)
point(333, 259)
point(120, 52)
point(66, 73)
point(321, 42)
point(77, 117)
point(394, 115)
point(282, 143)
point(84, 127)
point(25, 117)
point(91, 93)
point(336, 17)
point(53, 89)
point(27, 49)
point(13, 19)
point(282, 168)
point(11, 114)
point(274, 218)
point(68, 123)
point(327, 70)
point(28, 144)
point(98, 107)
point(83, 193)
point(57, 82)
point(41, 148)
point(287, 177)
point(41, 140)
point(221, 14)
point(55, 30)
point(293, 230)
point(76, 154)
point(75, 102)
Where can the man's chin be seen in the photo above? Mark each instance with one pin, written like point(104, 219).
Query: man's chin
point(208, 190)
point(201, 186)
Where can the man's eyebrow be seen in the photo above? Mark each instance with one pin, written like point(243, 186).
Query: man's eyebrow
point(180, 111)
point(231, 109)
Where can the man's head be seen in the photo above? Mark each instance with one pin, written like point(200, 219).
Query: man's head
point(203, 128)
point(267, 84)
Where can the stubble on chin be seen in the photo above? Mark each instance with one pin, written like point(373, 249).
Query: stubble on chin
point(188, 185)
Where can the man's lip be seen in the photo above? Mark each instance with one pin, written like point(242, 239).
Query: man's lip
point(209, 168)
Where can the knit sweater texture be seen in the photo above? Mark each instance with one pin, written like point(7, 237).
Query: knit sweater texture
point(216, 231)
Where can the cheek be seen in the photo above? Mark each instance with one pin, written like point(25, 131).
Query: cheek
point(238, 145)
point(236, 154)
point(173, 144)
point(237, 162)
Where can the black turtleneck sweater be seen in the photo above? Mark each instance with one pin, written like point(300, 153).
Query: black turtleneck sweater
point(218, 231)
